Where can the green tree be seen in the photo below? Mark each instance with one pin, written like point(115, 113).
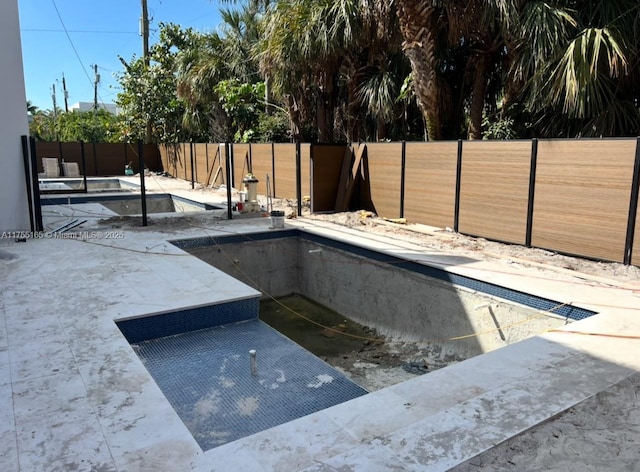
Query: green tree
point(580, 66)
point(150, 93)
point(89, 126)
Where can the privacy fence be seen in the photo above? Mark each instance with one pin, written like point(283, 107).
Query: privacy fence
point(571, 196)
point(99, 159)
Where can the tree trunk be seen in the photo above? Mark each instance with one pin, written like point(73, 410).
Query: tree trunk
point(478, 94)
point(418, 25)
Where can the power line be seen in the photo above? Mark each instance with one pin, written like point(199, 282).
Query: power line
point(84, 69)
point(39, 30)
point(71, 42)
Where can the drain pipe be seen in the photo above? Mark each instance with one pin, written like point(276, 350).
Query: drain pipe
point(252, 358)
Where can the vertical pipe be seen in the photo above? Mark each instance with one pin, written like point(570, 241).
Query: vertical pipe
point(532, 190)
point(250, 160)
point(456, 211)
point(253, 362)
point(192, 170)
point(37, 207)
point(403, 164)
point(227, 168)
point(27, 175)
point(273, 169)
point(633, 206)
point(298, 178)
point(84, 166)
point(143, 195)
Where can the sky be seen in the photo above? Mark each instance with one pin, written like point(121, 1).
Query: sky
point(98, 32)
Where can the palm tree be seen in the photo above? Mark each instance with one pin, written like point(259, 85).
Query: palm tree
point(31, 108)
point(578, 64)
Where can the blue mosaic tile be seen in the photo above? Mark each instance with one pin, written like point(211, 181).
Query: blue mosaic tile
point(206, 376)
point(192, 319)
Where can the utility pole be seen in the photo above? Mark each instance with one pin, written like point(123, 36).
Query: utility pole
point(95, 88)
point(55, 111)
point(144, 32)
point(66, 95)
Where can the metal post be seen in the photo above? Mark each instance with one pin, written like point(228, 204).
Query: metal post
point(27, 175)
point(633, 207)
point(252, 360)
point(37, 207)
point(192, 170)
point(227, 168)
point(298, 179)
point(95, 157)
point(532, 190)
point(61, 155)
point(403, 164)
point(273, 169)
point(143, 195)
point(84, 166)
point(456, 211)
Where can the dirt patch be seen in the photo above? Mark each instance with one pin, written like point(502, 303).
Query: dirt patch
point(346, 345)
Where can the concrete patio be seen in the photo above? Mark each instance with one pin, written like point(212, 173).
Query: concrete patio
point(74, 395)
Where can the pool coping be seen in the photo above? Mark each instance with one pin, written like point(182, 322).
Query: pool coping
point(128, 424)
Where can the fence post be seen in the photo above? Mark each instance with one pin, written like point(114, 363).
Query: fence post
point(532, 190)
point(191, 160)
point(456, 211)
point(273, 169)
point(95, 158)
point(143, 195)
point(29, 182)
point(206, 158)
point(227, 168)
point(403, 166)
point(298, 179)
point(633, 206)
point(37, 206)
point(84, 166)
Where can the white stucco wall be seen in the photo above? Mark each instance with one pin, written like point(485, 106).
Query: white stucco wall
point(14, 210)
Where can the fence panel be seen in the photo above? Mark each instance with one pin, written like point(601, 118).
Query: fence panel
point(326, 167)
point(385, 175)
point(261, 165)
point(494, 189)
point(582, 196)
point(200, 162)
point(285, 170)
point(173, 160)
point(108, 158)
point(430, 183)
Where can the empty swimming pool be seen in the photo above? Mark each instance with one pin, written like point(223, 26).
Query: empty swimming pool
point(128, 205)
point(201, 357)
point(401, 298)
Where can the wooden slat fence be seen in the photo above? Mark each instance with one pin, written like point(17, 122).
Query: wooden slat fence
point(570, 196)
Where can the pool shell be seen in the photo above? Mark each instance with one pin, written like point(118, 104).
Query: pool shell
point(199, 357)
point(458, 316)
point(127, 205)
point(58, 185)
